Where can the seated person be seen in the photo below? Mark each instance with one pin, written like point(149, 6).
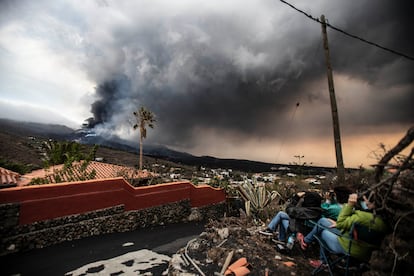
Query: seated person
point(281, 220)
point(331, 209)
point(348, 216)
point(334, 201)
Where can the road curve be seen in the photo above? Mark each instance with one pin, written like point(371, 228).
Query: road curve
point(129, 253)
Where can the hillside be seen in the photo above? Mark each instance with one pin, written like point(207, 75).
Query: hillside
point(17, 154)
point(20, 143)
point(22, 154)
point(34, 129)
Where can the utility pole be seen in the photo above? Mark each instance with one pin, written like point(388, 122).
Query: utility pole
point(334, 108)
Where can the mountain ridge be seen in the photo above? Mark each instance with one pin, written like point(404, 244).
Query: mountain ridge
point(61, 132)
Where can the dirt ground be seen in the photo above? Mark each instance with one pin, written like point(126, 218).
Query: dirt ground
point(240, 235)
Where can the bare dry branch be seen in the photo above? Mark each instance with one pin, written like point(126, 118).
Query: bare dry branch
point(404, 142)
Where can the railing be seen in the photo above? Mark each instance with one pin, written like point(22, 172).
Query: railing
point(50, 201)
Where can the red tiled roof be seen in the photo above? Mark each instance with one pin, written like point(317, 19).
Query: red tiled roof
point(102, 171)
point(8, 178)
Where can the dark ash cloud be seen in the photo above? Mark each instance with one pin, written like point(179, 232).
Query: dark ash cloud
point(109, 94)
point(219, 71)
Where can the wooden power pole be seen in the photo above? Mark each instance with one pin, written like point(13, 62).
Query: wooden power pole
point(334, 108)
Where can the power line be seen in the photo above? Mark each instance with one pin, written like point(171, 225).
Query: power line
point(349, 34)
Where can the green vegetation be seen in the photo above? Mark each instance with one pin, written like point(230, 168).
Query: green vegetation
point(16, 167)
point(256, 198)
point(66, 153)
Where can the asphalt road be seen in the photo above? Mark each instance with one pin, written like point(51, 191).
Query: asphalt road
point(129, 253)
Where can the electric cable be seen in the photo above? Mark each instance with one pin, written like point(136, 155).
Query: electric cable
point(349, 34)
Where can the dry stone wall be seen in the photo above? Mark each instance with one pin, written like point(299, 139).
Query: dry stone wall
point(15, 237)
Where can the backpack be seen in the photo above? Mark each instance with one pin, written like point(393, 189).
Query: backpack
point(302, 209)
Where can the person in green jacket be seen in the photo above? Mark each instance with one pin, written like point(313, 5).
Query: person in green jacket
point(347, 217)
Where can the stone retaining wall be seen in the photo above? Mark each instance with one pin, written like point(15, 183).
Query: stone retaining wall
point(15, 237)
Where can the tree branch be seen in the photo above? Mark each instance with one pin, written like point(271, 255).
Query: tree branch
point(404, 142)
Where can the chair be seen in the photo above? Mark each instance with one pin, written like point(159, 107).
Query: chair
point(332, 260)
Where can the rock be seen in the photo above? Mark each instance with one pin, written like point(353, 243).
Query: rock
point(223, 233)
point(195, 215)
point(243, 238)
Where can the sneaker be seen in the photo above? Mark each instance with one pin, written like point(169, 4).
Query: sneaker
point(280, 248)
point(300, 238)
point(316, 263)
point(266, 232)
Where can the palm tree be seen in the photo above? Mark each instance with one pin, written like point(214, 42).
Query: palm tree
point(143, 118)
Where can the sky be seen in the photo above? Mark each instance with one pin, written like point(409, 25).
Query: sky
point(233, 79)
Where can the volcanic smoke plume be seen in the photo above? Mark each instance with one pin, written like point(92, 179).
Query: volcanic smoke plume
point(109, 93)
point(236, 72)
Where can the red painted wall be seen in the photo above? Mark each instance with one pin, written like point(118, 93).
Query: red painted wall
point(42, 202)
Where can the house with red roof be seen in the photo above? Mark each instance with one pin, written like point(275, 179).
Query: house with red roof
point(8, 178)
point(82, 171)
point(77, 172)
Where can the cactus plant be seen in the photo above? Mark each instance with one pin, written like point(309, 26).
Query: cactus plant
point(256, 197)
